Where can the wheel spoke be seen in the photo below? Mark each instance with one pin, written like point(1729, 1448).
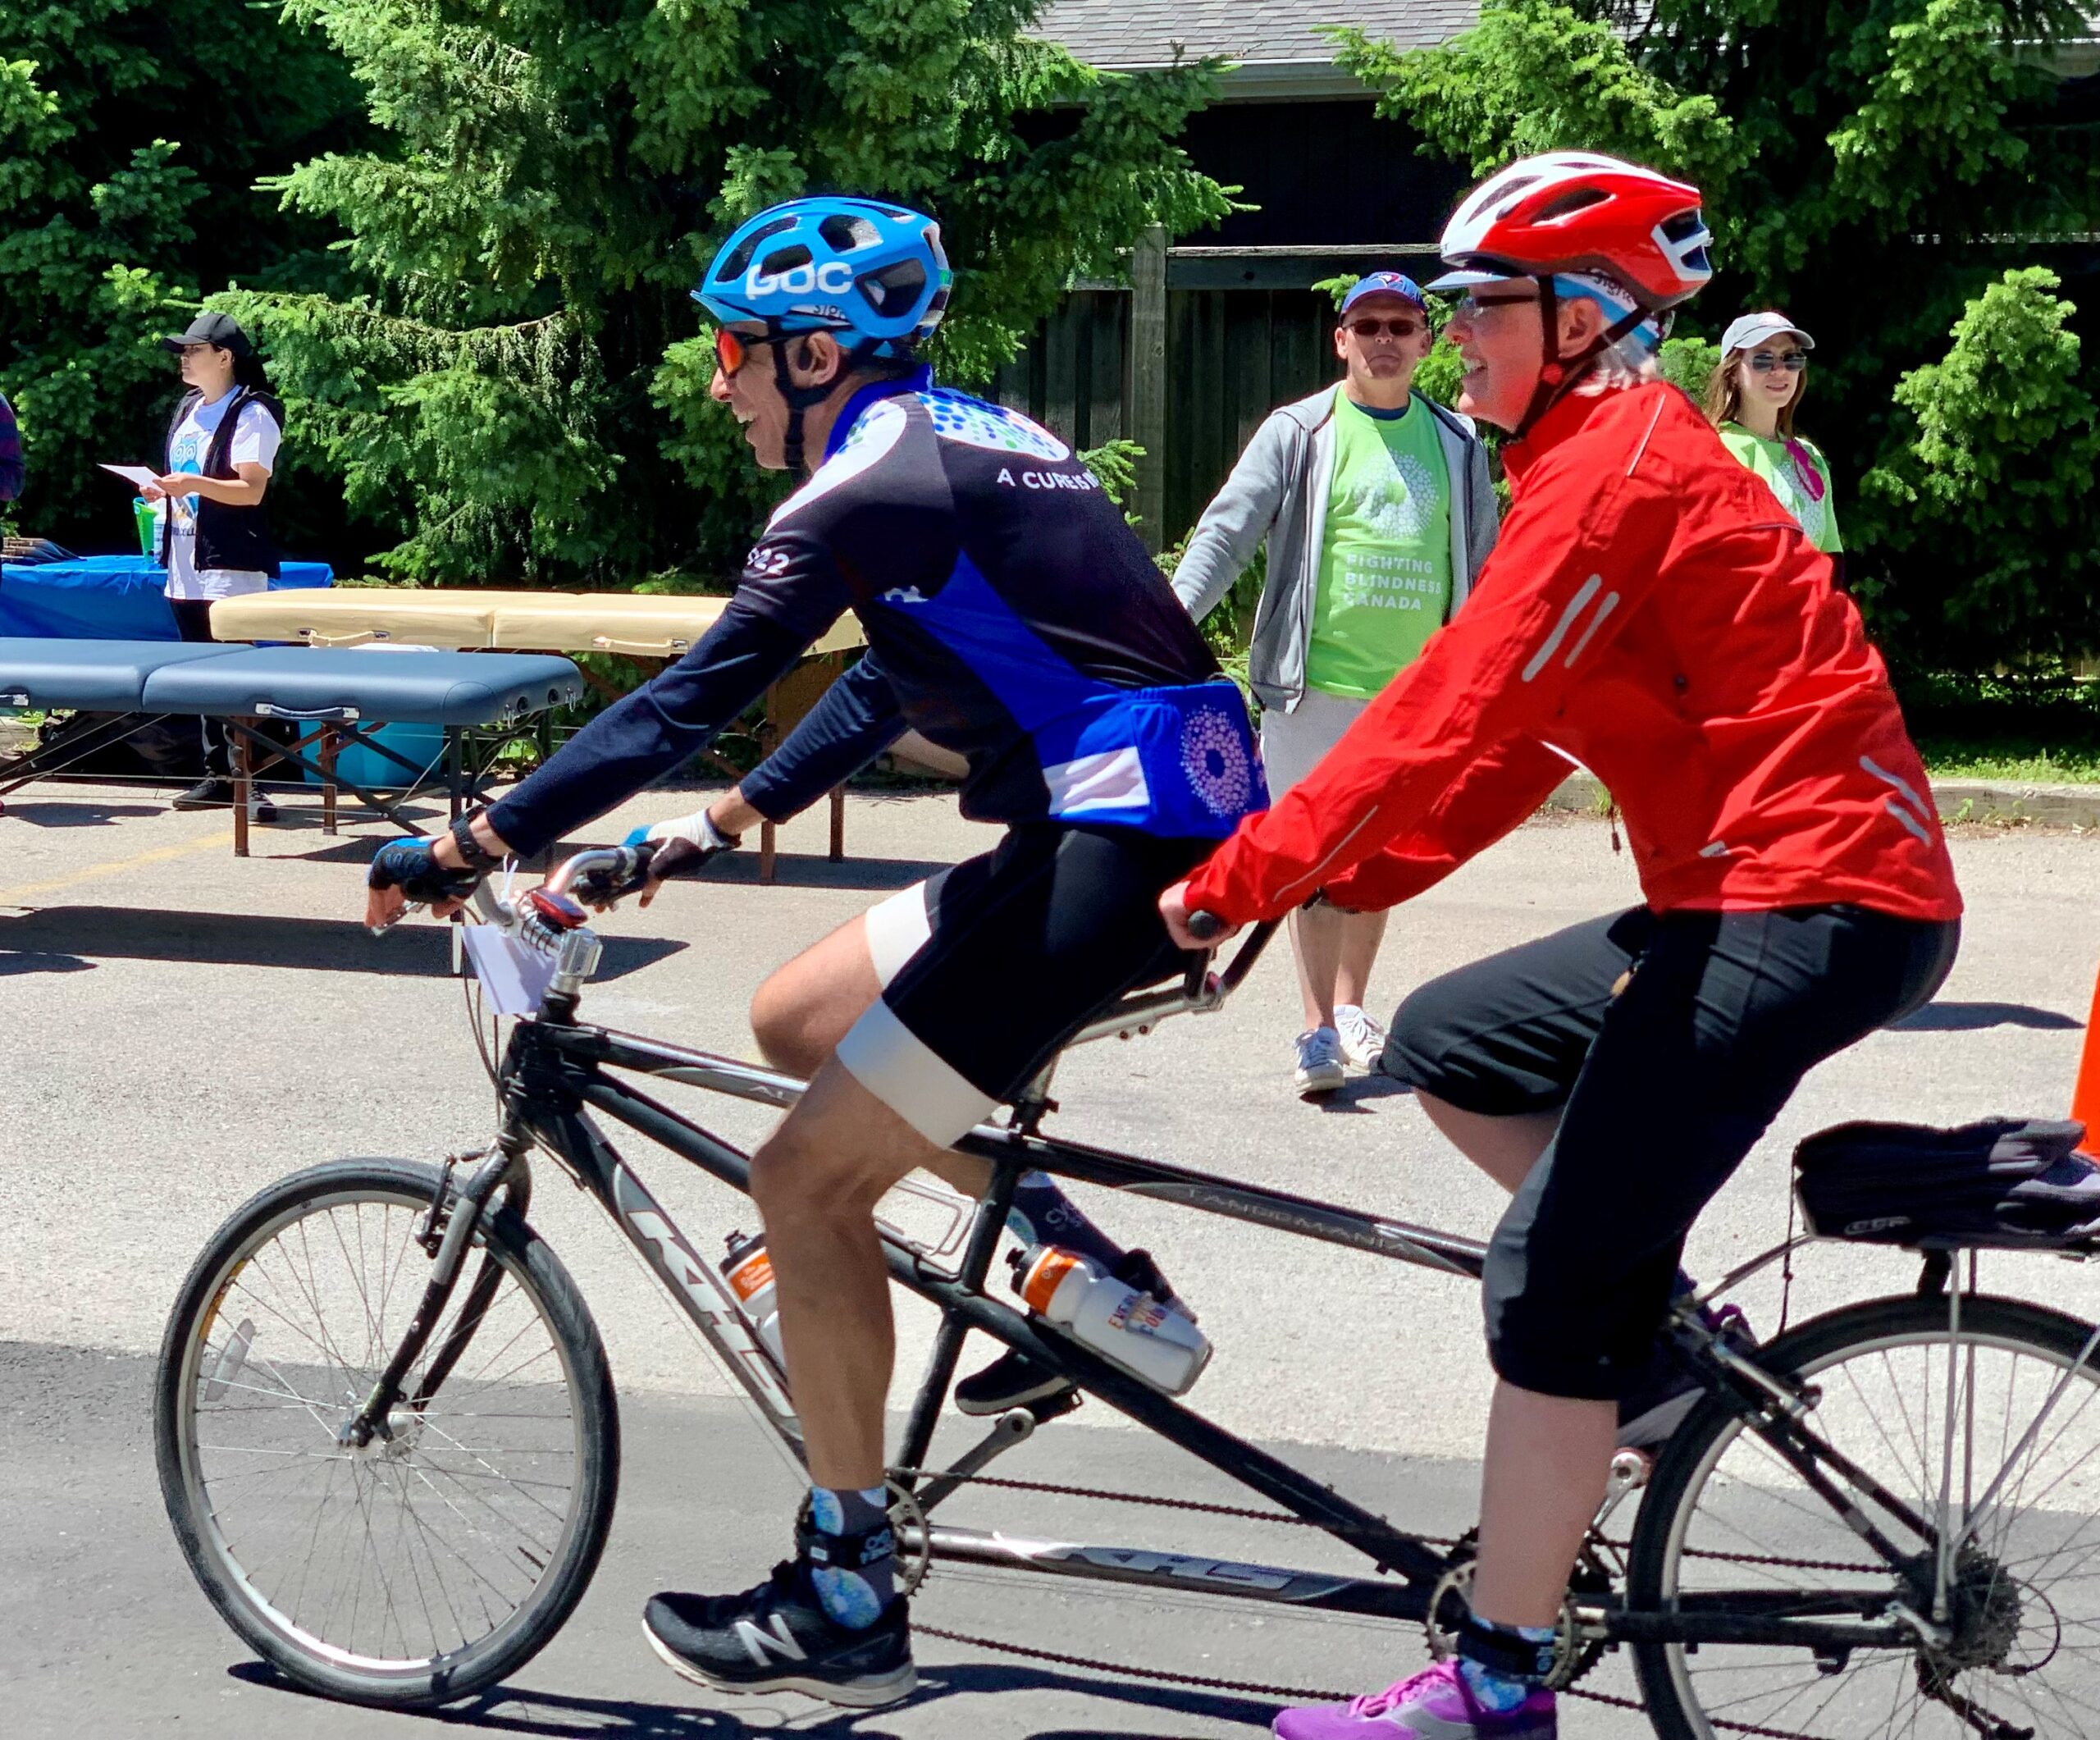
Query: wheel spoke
point(424, 1545)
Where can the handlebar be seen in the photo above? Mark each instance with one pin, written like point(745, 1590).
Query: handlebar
point(1206, 927)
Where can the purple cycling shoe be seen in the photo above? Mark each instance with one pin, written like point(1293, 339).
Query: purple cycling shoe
point(1433, 1705)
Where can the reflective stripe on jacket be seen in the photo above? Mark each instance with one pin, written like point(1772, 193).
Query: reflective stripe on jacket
point(1649, 613)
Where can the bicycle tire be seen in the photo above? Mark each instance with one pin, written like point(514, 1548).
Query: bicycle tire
point(2002, 1329)
point(182, 1383)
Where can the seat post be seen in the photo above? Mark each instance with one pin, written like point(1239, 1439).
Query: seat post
point(1034, 1102)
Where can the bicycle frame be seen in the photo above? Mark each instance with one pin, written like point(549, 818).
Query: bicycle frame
point(554, 1076)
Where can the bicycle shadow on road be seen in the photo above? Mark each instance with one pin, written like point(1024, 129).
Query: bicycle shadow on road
point(562, 1716)
point(67, 938)
point(1944, 1017)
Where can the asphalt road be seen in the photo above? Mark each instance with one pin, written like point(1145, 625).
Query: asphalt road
point(184, 1028)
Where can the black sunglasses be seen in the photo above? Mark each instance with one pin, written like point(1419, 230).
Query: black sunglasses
point(1764, 361)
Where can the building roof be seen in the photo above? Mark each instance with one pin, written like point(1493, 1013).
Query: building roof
point(1256, 33)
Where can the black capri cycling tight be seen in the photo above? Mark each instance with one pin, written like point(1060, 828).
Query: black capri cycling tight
point(1668, 1042)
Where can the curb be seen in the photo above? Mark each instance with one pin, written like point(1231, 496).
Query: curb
point(1956, 800)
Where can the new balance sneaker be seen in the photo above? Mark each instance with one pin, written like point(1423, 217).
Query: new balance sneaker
point(260, 809)
point(1362, 1038)
point(1013, 1380)
point(1668, 1390)
point(1319, 1068)
point(1433, 1705)
point(778, 1638)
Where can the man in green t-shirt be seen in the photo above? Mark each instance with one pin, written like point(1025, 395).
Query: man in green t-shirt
point(1378, 510)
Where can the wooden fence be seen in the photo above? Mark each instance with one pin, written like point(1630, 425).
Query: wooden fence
point(1232, 357)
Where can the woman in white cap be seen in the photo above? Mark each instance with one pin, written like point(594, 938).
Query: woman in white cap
point(1751, 398)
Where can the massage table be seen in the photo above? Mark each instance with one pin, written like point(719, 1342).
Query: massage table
point(329, 696)
point(632, 624)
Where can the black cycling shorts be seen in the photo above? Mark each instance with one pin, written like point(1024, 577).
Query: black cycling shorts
point(989, 967)
point(1667, 1043)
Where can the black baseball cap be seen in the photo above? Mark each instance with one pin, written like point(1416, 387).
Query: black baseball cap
point(221, 329)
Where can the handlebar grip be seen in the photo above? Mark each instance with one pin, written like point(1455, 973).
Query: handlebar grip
point(1205, 926)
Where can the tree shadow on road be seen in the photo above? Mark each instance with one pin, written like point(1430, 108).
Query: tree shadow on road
point(792, 869)
point(87, 814)
point(89, 933)
point(561, 1716)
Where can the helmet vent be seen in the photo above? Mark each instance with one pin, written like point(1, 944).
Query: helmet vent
point(788, 259)
point(845, 233)
point(733, 267)
point(1567, 205)
point(899, 284)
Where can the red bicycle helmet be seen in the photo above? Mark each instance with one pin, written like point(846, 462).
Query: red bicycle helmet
point(1580, 211)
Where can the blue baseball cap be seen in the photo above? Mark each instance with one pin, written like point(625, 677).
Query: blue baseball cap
point(1384, 284)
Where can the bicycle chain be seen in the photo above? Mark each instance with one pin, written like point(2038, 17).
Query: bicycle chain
point(1260, 1688)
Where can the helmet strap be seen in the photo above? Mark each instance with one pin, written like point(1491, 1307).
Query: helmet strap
point(1558, 373)
point(799, 397)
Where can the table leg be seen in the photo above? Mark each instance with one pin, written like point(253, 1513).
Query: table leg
point(242, 784)
point(455, 770)
point(766, 854)
point(329, 743)
point(838, 825)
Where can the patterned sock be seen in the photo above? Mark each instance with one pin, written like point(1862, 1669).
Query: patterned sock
point(1501, 1692)
point(853, 1598)
point(1042, 1214)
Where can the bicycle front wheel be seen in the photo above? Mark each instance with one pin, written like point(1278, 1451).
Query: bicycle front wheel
point(1993, 1439)
point(430, 1563)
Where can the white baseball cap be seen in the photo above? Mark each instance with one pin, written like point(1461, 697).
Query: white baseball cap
point(1754, 329)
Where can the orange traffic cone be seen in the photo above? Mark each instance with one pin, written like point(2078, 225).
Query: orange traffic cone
point(2085, 1094)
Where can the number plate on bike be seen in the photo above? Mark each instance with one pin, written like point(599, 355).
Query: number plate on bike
point(514, 971)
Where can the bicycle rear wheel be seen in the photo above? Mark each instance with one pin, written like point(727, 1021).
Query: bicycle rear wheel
point(1945, 1430)
point(428, 1565)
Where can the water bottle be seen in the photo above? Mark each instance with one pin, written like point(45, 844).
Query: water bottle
point(1156, 1341)
point(749, 1272)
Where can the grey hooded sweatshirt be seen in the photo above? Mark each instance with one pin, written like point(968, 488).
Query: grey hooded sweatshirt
point(1279, 492)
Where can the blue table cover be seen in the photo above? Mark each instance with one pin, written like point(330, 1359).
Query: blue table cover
point(107, 598)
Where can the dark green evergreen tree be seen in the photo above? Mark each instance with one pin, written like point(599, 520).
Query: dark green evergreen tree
point(514, 382)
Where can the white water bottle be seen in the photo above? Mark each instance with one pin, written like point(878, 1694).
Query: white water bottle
point(1151, 1339)
point(749, 1272)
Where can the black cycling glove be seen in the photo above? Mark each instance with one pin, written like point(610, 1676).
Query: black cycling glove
point(407, 865)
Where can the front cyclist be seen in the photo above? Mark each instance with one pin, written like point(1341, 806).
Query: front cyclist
point(1019, 623)
point(1653, 611)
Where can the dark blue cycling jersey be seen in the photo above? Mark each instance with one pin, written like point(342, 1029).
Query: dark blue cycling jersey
point(1017, 620)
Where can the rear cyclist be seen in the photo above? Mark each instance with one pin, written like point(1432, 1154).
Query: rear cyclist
point(1018, 622)
point(1651, 612)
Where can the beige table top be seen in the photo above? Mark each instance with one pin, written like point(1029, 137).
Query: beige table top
point(638, 625)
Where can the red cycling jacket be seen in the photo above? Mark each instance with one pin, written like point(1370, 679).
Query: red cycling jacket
point(1651, 611)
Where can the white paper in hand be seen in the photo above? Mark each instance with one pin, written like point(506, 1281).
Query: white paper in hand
point(138, 476)
point(514, 972)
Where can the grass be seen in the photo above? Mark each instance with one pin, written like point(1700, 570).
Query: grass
point(2043, 732)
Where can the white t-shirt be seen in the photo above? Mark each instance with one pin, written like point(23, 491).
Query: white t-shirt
point(255, 440)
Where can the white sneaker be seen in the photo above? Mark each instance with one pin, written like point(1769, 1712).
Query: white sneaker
point(1363, 1039)
point(1320, 1069)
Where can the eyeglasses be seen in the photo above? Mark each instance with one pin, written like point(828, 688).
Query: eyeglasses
point(1387, 328)
point(1764, 361)
point(1471, 308)
point(733, 349)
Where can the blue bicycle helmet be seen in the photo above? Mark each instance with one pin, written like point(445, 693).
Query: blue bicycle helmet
point(825, 264)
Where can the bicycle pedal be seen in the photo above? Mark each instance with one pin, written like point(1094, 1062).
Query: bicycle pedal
point(1053, 1406)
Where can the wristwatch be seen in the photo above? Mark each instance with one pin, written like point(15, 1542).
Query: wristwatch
point(472, 853)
